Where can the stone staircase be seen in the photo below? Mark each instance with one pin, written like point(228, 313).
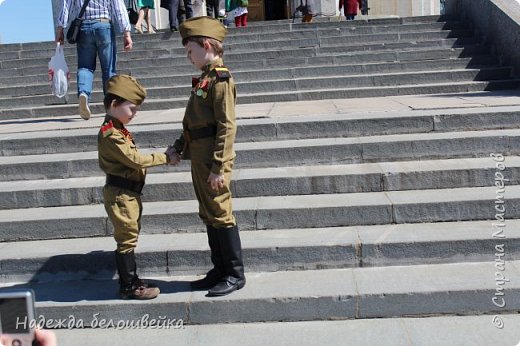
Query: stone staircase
point(281, 62)
point(344, 214)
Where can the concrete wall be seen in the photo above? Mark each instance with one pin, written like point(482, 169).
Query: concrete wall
point(404, 8)
point(498, 22)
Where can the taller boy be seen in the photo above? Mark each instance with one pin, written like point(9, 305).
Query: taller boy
point(208, 138)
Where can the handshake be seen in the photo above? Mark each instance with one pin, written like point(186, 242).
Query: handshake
point(173, 156)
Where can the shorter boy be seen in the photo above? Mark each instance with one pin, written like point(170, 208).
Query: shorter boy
point(125, 168)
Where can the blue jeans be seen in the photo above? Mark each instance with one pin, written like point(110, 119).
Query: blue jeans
point(95, 39)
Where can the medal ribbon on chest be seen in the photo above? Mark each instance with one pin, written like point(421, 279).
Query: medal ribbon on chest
point(127, 133)
point(201, 89)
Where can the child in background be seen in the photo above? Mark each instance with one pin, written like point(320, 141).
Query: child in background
point(237, 9)
point(351, 8)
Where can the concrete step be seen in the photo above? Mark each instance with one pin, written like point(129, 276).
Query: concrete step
point(419, 45)
point(471, 330)
point(477, 53)
point(266, 28)
point(270, 212)
point(264, 251)
point(306, 180)
point(291, 152)
point(263, 73)
point(298, 83)
point(167, 42)
point(62, 140)
point(60, 108)
point(343, 93)
point(310, 39)
point(271, 56)
point(269, 27)
point(409, 106)
point(283, 45)
point(462, 289)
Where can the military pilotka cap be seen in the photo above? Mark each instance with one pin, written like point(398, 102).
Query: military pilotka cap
point(126, 87)
point(203, 26)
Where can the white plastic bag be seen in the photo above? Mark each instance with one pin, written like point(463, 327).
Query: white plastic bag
point(59, 73)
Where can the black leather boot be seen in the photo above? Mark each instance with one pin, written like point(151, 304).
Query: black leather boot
point(130, 286)
point(215, 274)
point(231, 250)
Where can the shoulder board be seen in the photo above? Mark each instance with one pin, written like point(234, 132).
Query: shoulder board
point(222, 72)
point(107, 129)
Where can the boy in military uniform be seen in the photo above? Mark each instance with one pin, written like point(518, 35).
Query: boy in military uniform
point(207, 140)
point(125, 168)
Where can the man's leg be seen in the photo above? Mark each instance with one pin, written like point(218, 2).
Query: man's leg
point(86, 52)
point(106, 49)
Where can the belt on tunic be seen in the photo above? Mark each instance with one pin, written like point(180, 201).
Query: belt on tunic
point(123, 183)
point(204, 132)
point(192, 135)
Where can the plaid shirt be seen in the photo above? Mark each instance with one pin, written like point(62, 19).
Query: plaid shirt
point(96, 9)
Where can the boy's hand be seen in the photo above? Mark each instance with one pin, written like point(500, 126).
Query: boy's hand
point(215, 181)
point(173, 157)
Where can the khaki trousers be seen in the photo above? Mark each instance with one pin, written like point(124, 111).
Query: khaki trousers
point(124, 209)
point(215, 207)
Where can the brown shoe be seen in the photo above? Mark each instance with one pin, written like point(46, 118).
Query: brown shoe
point(141, 291)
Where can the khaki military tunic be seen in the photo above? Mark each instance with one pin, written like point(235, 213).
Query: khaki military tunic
point(212, 104)
point(118, 155)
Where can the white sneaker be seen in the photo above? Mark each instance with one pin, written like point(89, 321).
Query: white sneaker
point(84, 110)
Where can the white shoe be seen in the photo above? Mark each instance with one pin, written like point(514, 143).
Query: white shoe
point(84, 110)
